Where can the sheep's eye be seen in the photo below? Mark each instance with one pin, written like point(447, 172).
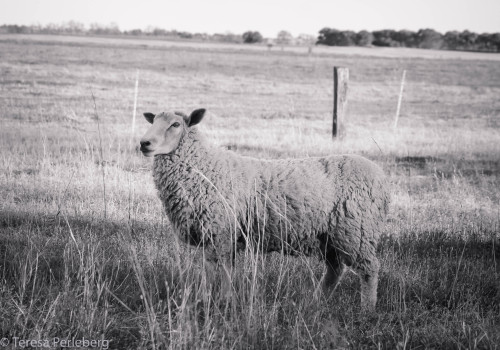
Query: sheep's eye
point(176, 124)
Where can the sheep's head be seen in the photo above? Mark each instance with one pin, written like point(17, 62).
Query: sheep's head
point(167, 130)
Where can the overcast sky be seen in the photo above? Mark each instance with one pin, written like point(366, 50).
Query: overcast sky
point(266, 16)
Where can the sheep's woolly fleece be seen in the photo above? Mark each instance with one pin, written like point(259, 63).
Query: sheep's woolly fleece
point(328, 206)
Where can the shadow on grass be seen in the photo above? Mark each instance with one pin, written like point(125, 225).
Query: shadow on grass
point(435, 269)
point(81, 274)
point(66, 245)
point(429, 268)
point(447, 168)
point(53, 225)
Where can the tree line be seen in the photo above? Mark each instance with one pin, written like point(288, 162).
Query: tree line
point(424, 38)
point(77, 28)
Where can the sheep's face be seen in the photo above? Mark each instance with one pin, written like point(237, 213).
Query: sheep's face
point(167, 130)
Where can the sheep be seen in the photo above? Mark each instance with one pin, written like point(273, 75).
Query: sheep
point(331, 206)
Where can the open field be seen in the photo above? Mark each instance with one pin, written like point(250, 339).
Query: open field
point(86, 252)
point(158, 43)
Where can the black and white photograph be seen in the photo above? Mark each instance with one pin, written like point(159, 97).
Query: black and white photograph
point(249, 174)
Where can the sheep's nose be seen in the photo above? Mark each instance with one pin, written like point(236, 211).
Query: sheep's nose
point(145, 144)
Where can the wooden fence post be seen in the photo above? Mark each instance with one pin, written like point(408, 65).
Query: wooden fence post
point(340, 80)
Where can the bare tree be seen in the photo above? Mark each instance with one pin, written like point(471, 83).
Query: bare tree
point(284, 38)
point(307, 40)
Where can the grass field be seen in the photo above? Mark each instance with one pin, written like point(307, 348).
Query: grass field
point(86, 251)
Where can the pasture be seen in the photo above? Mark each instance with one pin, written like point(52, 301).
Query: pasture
point(87, 252)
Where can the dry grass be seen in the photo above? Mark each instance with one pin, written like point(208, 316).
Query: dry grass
point(68, 271)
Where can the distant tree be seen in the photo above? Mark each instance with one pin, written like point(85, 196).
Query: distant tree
point(348, 38)
point(185, 35)
point(99, 29)
point(452, 40)
point(36, 28)
point(429, 39)
point(405, 38)
point(227, 37)
point(73, 27)
point(200, 36)
point(113, 29)
point(96, 28)
point(15, 29)
point(306, 40)
point(148, 30)
point(232, 38)
point(384, 38)
point(52, 28)
point(251, 37)
point(495, 37)
point(159, 32)
point(364, 38)
point(284, 38)
point(325, 37)
point(467, 40)
point(424, 38)
point(483, 42)
point(334, 37)
point(494, 40)
point(134, 32)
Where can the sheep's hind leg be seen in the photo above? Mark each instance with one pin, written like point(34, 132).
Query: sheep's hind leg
point(222, 266)
point(335, 270)
point(368, 275)
point(226, 280)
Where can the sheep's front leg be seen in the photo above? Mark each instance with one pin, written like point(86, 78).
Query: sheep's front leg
point(219, 263)
point(219, 274)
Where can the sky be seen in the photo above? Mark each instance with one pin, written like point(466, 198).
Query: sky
point(266, 16)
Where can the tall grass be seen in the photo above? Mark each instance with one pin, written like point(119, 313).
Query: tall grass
point(73, 265)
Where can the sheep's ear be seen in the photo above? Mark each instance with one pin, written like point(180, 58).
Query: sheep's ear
point(149, 117)
point(195, 117)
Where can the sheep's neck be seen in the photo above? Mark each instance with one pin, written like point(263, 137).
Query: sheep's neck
point(173, 173)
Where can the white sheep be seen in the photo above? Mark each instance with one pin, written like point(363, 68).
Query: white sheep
point(332, 206)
